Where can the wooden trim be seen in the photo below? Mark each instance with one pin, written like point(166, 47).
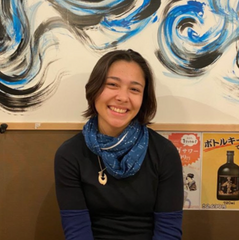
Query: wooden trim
point(155, 126)
point(196, 127)
point(45, 126)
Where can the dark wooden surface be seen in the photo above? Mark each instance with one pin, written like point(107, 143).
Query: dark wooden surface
point(28, 208)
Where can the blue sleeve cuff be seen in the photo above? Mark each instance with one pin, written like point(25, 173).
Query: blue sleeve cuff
point(168, 225)
point(76, 224)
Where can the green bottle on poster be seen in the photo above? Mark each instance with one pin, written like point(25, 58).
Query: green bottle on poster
point(228, 179)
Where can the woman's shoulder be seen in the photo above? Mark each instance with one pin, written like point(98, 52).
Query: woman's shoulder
point(159, 143)
point(157, 137)
point(163, 152)
point(71, 151)
point(72, 143)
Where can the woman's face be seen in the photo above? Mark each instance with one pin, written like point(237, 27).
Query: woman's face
point(121, 98)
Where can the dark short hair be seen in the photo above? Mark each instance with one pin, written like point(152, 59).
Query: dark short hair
point(95, 84)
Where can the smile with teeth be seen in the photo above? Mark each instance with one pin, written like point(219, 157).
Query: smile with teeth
point(118, 110)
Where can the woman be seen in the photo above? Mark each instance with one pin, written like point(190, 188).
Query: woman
point(118, 179)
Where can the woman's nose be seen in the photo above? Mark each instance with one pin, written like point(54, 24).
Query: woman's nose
point(122, 95)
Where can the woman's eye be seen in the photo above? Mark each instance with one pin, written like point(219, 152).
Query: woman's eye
point(111, 84)
point(135, 90)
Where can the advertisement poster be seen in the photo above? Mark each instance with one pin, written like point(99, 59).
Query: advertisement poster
point(220, 171)
point(188, 145)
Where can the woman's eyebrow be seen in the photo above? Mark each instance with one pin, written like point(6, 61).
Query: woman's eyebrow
point(115, 78)
point(132, 82)
point(137, 83)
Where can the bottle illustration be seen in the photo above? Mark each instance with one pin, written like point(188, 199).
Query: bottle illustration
point(228, 179)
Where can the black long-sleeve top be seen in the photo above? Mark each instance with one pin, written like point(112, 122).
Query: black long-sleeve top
point(123, 208)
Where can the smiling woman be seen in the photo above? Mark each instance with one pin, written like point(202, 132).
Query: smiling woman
point(138, 191)
point(121, 98)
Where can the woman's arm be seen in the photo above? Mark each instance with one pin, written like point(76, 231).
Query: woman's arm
point(168, 225)
point(76, 224)
point(74, 214)
point(168, 208)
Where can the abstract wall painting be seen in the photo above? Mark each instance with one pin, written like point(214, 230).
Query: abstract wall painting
point(48, 47)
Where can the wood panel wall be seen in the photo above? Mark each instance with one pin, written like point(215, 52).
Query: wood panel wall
point(28, 207)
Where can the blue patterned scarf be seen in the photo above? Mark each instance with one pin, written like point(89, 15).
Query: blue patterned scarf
point(122, 156)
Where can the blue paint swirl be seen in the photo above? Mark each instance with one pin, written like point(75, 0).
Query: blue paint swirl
point(21, 54)
point(129, 25)
point(116, 20)
point(229, 8)
point(14, 46)
point(188, 44)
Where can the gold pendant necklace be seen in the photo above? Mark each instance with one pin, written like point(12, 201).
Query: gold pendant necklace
point(102, 178)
